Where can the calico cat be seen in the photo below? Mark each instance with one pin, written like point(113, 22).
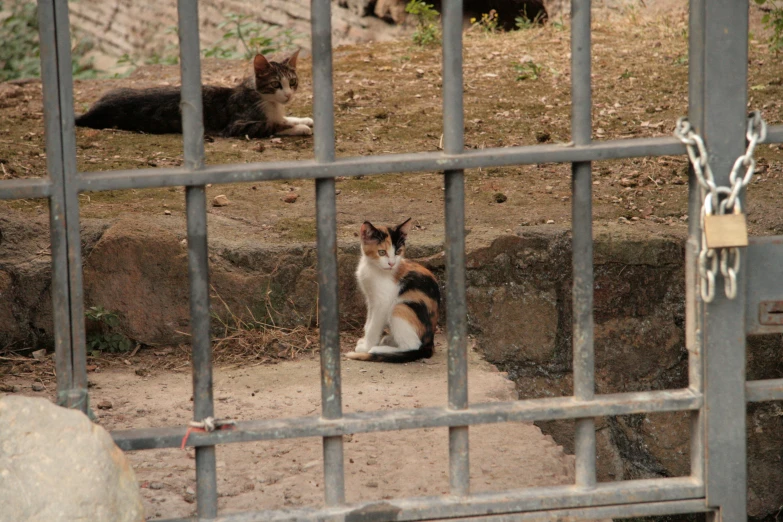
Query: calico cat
point(254, 108)
point(400, 294)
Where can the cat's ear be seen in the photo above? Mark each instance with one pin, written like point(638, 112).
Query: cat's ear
point(405, 227)
point(260, 64)
point(369, 233)
point(291, 60)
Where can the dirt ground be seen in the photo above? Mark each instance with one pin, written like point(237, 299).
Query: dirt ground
point(388, 100)
point(289, 473)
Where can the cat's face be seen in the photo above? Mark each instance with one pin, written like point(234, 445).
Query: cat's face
point(277, 82)
point(384, 246)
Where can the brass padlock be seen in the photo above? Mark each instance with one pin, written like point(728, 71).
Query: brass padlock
point(726, 230)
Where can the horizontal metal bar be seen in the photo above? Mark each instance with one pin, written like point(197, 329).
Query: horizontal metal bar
point(774, 134)
point(365, 422)
point(647, 509)
point(382, 164)
point(495, 503)
point(764, 301)
point(25, 188)
point(764, 390)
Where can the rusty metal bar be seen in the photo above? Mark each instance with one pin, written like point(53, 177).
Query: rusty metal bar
point(483, 413)
point(198, 263)
point(618, 511)
point(693, 304)
point(582, 226)
point(774, 134)
point(55, 186)
point(35, 187)
point(381, 164)
point(538, 500)
point(725, 68)
point(765, 390)
point(326, 211)
point(456, 307)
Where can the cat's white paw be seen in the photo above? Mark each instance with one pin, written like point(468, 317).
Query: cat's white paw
point(302, 130)
point(297, 130)
point(307, 121)
point(361, 346)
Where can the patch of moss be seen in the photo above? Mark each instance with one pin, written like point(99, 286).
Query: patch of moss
point(301, 230)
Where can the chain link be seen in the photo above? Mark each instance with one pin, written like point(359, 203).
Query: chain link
point(720, 200)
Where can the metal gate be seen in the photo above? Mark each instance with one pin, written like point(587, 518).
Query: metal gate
point(717, 391)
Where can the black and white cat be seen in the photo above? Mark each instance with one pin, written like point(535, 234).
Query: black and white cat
point(254, 108)
point(401, 295)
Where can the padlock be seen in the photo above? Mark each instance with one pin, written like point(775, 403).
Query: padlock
point(726, 230)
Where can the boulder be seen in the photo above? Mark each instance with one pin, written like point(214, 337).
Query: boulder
point(56, 465)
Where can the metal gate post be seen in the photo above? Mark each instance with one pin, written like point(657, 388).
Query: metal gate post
point(456, 303)
point(67, 293)
point(191, 107)
point(326, 219)
point(719, 114)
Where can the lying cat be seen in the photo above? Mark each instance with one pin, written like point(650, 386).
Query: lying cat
point(400, 294)
point(255, 108)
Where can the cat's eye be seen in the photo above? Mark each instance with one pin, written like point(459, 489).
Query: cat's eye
point(292, 82)
point(276, 85)
point(381, 252)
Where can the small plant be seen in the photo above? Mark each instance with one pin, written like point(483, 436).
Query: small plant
point(427, 31)
point(244, 38)
point(20, 55)
point(773, 20)
point(627, 74)
point(488, 22)
point(527, 71)
point(681, 60)
point(105, 338)
point(524, 22)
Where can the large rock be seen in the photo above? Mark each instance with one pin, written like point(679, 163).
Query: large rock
point(55, 465)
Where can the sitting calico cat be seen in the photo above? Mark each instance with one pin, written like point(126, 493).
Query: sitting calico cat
point(254, 108)
point(400, 294)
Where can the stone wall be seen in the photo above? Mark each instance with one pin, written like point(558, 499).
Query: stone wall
point(144, 27)
point(519, 305)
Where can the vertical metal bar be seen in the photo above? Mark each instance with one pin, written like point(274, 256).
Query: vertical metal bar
point(198, 262)
point(326, 211)
point(693, 304)
point(456, 312)
point(57, 223)
point(582, 223)
point(71, 198)
point(724, 119)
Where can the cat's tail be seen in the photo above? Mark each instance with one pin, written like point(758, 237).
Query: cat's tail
point(425, 351)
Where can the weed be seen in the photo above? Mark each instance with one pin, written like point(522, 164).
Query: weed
point(488, 22)
point(239, 338)
point(244, 38)
point(681, 60)
point(106, 338)
point(427, 31)
point(20, 55)
point(627, 74)
point(527, 71)
point(558, 25)
point(773, 20)
point(524, 22)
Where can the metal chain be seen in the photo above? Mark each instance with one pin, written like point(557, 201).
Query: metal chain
point(720, 200)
